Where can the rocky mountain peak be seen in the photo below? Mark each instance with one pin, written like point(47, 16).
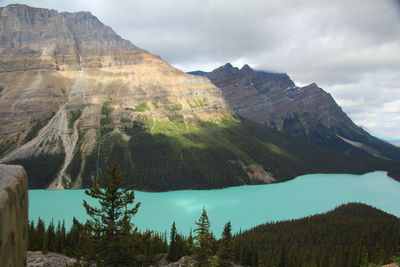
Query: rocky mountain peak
point(227, 68)
point(38, 38)
point(246, 68)
point(68, 73)
point(307, 112)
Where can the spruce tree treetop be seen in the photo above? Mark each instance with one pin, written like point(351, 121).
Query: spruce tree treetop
point(110, 228)
point(173, 249)
point(202, 241)
point(225, 251)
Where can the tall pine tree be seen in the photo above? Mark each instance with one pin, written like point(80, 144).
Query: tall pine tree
point(110, 230)
point(173, 248)
point(202, 241)
point(225, 251)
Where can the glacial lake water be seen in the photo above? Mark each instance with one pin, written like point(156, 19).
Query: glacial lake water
point(244, 206)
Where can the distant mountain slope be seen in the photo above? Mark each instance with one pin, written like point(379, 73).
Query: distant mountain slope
point(396, 142)
point(74, 96)
point(350, 235)
point(306, 112)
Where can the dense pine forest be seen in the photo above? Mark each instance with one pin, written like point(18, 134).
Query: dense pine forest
point(205, 155)
point(350, 235)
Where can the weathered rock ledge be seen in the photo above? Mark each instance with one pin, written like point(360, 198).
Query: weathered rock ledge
point(13, 215)
point(38, 259)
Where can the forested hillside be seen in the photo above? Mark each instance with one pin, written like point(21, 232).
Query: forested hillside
point(350, 235)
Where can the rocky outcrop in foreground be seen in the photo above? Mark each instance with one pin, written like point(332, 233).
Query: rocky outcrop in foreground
point(38, 259)
point(185, 261)
point(13, 215)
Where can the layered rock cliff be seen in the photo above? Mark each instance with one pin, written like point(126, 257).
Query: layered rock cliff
point(13, 215)
point(58, 70)
point(306, 112)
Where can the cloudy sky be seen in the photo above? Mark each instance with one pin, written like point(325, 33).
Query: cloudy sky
point(350, 48)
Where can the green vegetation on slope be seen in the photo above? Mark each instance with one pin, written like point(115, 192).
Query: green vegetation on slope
point(73, 115)
point(350, 235)
point(37, 125)
point(175, 107)
point(7, 146)
point(106, 109)
point(375, 146)
point(395, 173)
point(172, 155)
point(141, 107)
point(75, 166)
point(198, 103)
point(105, 121)
point(41, 169)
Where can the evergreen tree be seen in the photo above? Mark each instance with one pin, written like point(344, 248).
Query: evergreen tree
point(51, 237)
point(109, 230)
point(173, 249)
point(45, 248)
point(202, 241)
point(41, 236)
point(225, 251)
point(148, 251)
point(32, 237)
point(189, 244)
point(62, 238)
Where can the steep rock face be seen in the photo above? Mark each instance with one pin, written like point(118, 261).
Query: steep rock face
point(62, 73)
point(37, 38)
point(13, 215)
point(50, 59)
point(307, 112)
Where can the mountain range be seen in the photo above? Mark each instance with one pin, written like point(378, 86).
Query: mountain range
point(75, 96)
point(308, 112)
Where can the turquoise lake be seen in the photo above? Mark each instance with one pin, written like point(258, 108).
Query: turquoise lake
point(244, 206)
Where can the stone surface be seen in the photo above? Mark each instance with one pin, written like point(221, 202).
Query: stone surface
point(38, 259)
point(185, 261)
point(13, 215)
point(306, 112)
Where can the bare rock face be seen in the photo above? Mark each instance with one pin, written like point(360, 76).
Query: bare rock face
point(13, 215)
point(306, 112)
point(38, 259)
point(54, 64)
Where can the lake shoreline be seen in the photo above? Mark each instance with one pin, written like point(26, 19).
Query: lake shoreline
point(245, 206)
point(388, 173)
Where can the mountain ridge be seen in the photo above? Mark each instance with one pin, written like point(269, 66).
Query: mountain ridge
point(307, 112)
